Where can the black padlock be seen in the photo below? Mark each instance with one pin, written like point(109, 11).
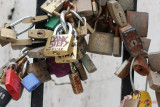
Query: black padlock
point(5, 97)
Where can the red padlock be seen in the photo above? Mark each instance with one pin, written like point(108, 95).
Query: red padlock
point(12, 83)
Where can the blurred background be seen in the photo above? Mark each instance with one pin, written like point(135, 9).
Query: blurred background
point(103, 88)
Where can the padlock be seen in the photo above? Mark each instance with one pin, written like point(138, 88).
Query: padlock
point(101, 43)
point(153, 80)
point(20, 43)
point(39, 69)
point(139, 21)
point(153, 59)
point(39, 33)
point(30, 82)
point(72, 56)
point(84, 7)
point(81, 70)
point(8, 35)
point(12, 83)
point(58, 45)
point(53, 22)
point(82, 48)
point(82, 30)
point(59, 69)
point(123, 70)
point(50, 6)
point(94, 7)
point(5, 97)
point(117, 44)
point(89, 65)
point(131, 40)
point(35, 19)
point(141, 66)
point(75, 81)
point(146, 43)
point(117, 13)
point(127, 4)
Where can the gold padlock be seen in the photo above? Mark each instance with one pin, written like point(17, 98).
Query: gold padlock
point(58, 45)
point(82, 30)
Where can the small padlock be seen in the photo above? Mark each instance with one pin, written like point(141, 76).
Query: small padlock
point(72, 56)
point(146, 43)
point(75, 81)
point(59, 69)
point(81, 70)
point(5, 97)
point(39, 33)
point(12, 82)
point(154, 61)
point(123, 70)
point(39, 69)
point(141, 66)
point(82, 30)
point(139, 21)
point(89, 65)
point(58, 45)
point(30, 82)
point(52, 22)
point(153, 80)
point(82, 48)
point(117, 13)
point(127, 4)
point(131, 40)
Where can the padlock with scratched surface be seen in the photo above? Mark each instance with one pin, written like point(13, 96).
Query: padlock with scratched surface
point(39, 33)
point(127, 4)
point(117, 13)
point(72, 56)
point(82, 48)
point(89, 65)
point(75, 81)
point(131, 40)
point(139, 21)
point(82, 30)
point(52, 22)
point(58, 45)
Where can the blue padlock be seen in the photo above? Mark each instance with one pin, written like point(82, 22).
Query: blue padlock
point(30, 82)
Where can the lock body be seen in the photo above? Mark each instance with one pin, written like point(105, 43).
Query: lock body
point(101, 43)
point(82, 31)
point(30, 82)
point(127, 4)
point(53, 22)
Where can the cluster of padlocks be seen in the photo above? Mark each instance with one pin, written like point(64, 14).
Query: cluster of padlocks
point(61, 48)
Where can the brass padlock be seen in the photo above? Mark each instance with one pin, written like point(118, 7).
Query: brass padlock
point(58, 45)
point(82, 30)
point(154, 61)
point(21, 43)
point(72, 56)
point(117, 13)
point(75, 81)
point(139, 21)
point(153, 80)
point(39, 33)
point(131, 40)
point(146, 43)
point(82, 48)
point(89, 65)
point(123, 70)
point(81, 70)
point(35, 19)
point(127, 4)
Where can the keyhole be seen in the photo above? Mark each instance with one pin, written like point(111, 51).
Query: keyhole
point(41, 33)
point(140, 69)
point(133, 43)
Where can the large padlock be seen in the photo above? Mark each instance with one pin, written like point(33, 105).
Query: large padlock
point(131, 40)
point(30, 82)
point(101, 43)
point(39, 33)
point(72, 56)
point(12, 83)
point(5, 97)
point(127, 4)
point(84, 7)
point(154, 61)
point(82, 30)
point(52, 22)
point(153, 80)
point(58, 45)
point(39, 69)
point(75, 81)
point(81, 70)
point(89, 65)
point(139, 21)
point(117, 13)
point(59, 69)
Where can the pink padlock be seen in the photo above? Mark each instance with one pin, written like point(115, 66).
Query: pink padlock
point(59, 69)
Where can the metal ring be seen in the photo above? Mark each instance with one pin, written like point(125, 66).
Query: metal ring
point(63, 22)
point(24, 51)
point(76, 14)
point(25, 67)
point(75, 34)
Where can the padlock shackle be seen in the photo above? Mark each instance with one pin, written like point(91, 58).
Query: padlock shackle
point(84, 20)
point(12, 63)
point(63, 22)
point(24, 51)
point(24, 69)
point(19, 21)
point(75, 34)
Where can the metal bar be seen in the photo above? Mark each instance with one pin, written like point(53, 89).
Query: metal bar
point(37, 95)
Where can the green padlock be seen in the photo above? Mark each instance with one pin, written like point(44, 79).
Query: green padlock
point(52, 22)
